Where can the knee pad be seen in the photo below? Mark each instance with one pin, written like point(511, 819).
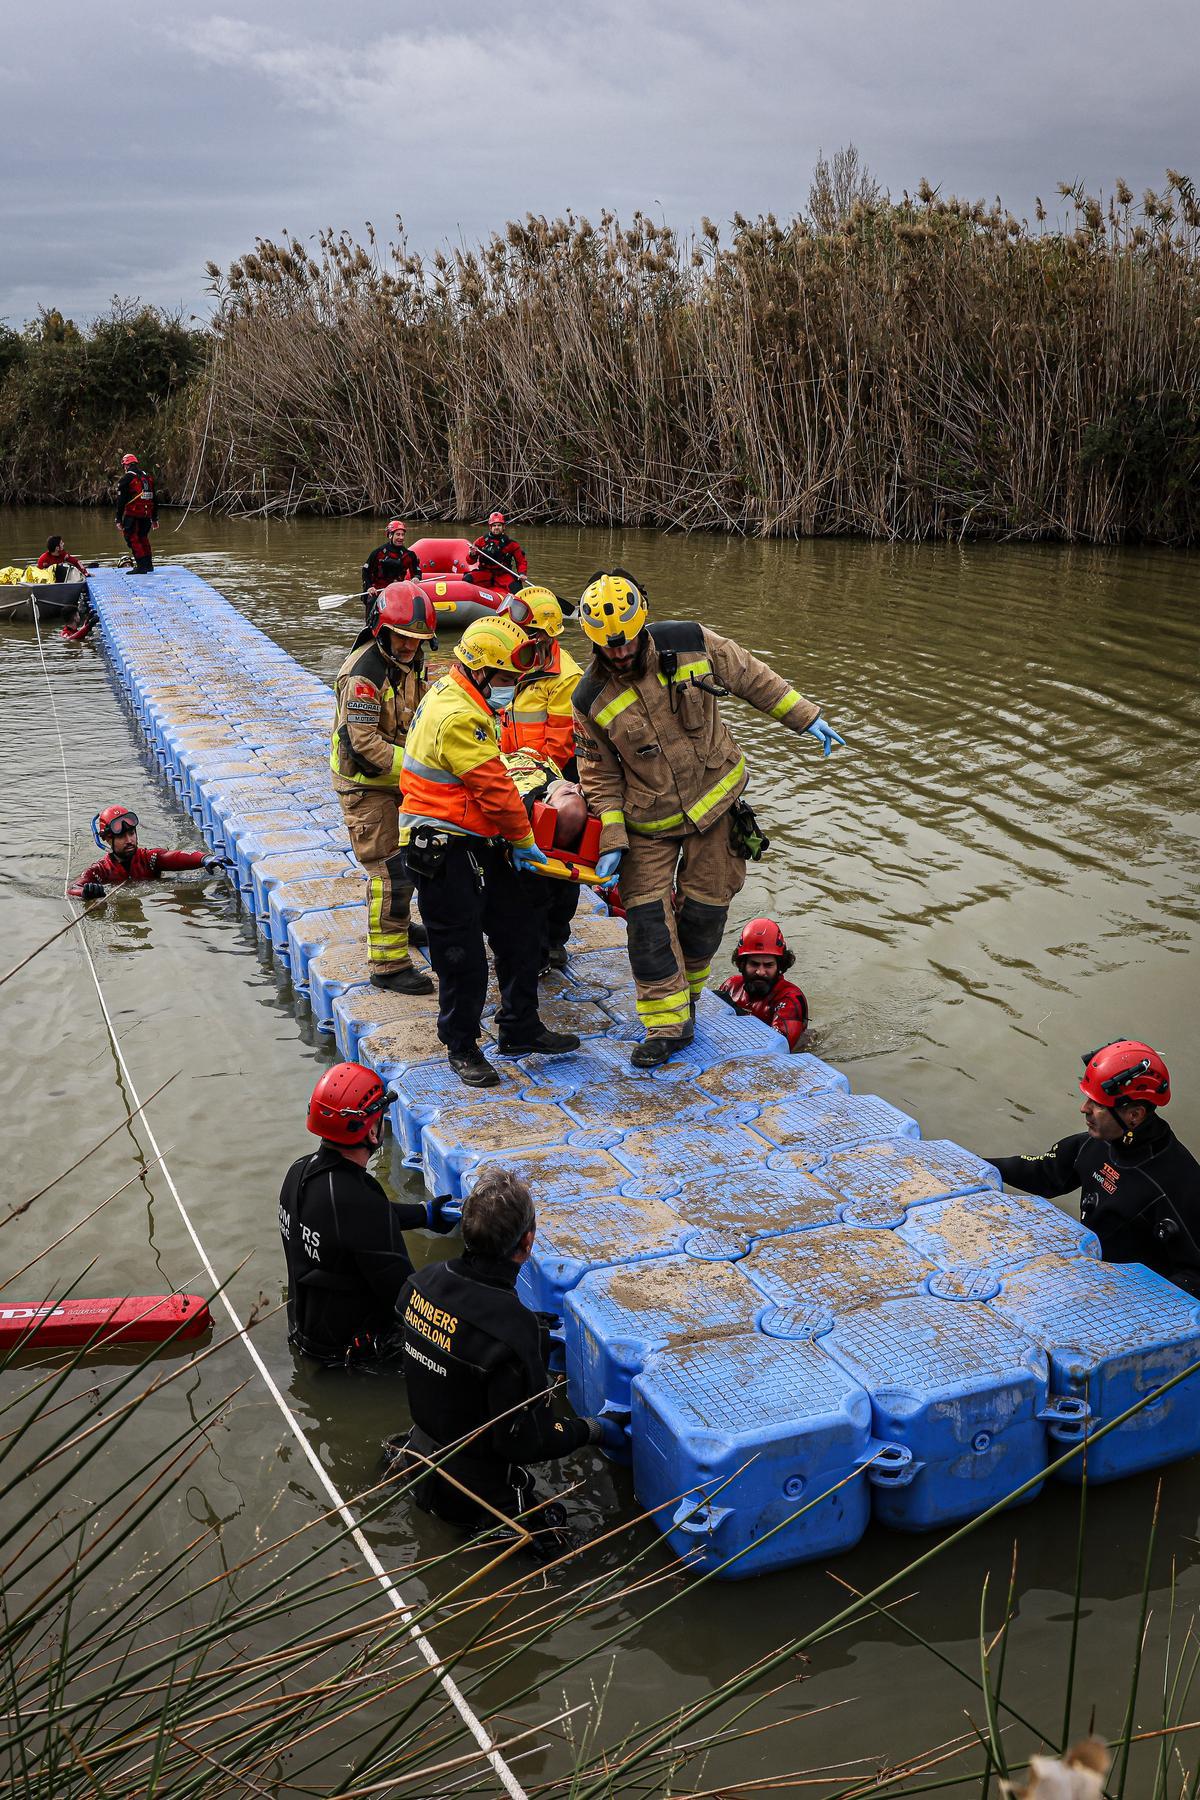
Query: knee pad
point(700, 929)
point(651, 952)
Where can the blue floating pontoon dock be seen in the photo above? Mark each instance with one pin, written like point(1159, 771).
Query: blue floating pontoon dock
point(812, 1314)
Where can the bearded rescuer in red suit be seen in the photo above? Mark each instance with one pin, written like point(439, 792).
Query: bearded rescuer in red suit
point(761, 959)
point(115, 831)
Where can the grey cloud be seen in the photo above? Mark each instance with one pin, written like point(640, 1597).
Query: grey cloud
point(201, 130)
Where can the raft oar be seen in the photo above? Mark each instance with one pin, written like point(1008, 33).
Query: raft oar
point(327, 602)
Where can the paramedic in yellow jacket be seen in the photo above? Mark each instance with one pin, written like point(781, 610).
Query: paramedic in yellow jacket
point(378, 690)
point(657, 762)
point(468, 846)
point(537, 716)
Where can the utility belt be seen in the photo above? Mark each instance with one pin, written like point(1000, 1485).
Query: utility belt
point(428, 847)
point(426, 851)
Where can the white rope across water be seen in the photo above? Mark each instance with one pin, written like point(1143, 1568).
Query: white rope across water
point(452, 1690)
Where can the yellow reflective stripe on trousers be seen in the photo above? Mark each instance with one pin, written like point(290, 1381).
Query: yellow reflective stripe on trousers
point(607, 714)
point(674, 1009)
point(707, 801)
point(697, 979)
point(782, 707)
point(383, 946)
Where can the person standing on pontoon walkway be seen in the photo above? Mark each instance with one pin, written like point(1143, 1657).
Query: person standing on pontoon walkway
point(137, 512)
point(377, 692)
point(666, 779)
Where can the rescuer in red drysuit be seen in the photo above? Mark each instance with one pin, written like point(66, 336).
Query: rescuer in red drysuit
point(115, 830)
point(758, 988)
point(392, 561)
point(56, 556)
point(137, 512)
point(496, 560)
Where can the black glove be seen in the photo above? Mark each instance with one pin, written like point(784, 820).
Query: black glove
point(92, 890)
point(214, 864)
point(443, 1214)
point(611, 1433)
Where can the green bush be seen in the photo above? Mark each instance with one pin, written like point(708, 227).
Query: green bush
point(71, 400)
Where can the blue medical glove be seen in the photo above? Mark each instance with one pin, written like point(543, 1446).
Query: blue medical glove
point(611, 1433)
point(825, 735)
point(528, 856)
point(443, 1214)
point(609, 867)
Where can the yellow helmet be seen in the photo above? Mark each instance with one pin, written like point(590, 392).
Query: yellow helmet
point(612, 609)
point(496, 643)
point(536, 609)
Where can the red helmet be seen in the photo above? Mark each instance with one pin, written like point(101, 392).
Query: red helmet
point(344, 1103)
point(406, 608)
point(104, 821)
point(128, 460)
point(1126, 1069)
point(762, 937)
point(396, 525)
point(497, 518)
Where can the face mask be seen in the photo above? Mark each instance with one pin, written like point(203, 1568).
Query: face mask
point(500, 697)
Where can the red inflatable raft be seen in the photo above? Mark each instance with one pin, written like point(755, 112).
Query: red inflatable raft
point(141, 1319)
point(456, 600)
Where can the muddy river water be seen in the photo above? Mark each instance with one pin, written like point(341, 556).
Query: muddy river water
point(998, 872)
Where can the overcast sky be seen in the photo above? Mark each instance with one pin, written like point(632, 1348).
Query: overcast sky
point(139, 141)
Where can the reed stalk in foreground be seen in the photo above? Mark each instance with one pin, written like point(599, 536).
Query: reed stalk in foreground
point(138, 1657)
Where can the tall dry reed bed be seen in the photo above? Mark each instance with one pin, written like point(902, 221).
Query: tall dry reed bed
point(922, 370)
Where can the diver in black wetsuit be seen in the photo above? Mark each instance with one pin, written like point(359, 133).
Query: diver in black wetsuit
point(346, 1259)
point(475, 1361)
point(1139, 1187)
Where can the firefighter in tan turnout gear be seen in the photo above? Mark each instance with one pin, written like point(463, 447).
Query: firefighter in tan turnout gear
point(378, 689)
point(658, 764)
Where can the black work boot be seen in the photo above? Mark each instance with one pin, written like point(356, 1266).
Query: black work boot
point(473, 1068)
point(403, 981)
point(557, 959)
point(417, 934)
point(689, 1030)
point(546, 1043)
point(653, 1052)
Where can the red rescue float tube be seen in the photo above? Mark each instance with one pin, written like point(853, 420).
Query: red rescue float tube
point(140, 1319)
point(456, 600)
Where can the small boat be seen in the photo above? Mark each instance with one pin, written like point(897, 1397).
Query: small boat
point(456, 600)
point(55, 599)
point(138, 1319)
